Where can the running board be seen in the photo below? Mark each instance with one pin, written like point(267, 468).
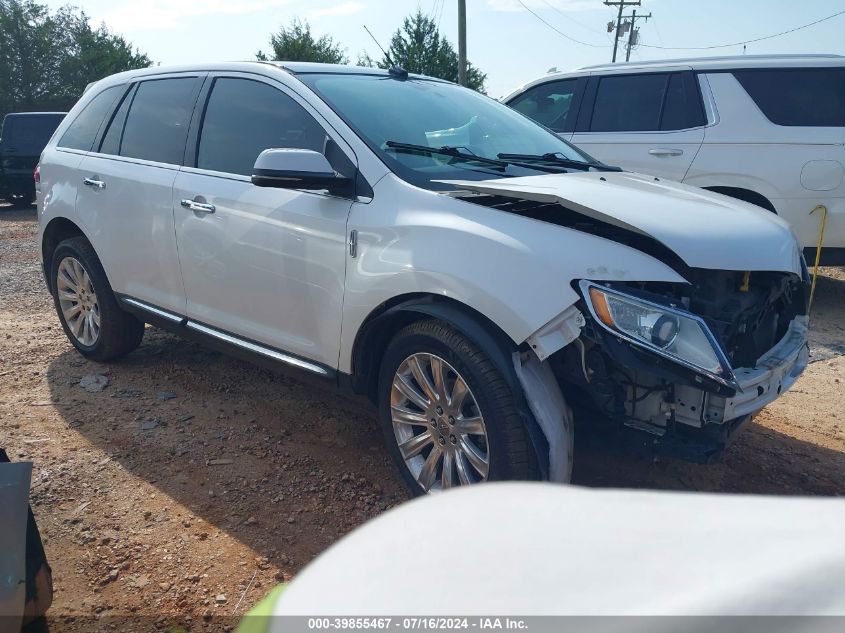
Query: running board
point(169, 319)
point(255, 347)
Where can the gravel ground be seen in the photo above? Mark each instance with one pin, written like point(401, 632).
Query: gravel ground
point(181, 485)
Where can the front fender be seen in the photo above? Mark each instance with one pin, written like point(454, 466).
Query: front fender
point(516, 271)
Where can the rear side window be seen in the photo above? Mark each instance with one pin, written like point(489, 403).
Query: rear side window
point(549, 103)
point(629, 103)
point(157, 123)
point(245, 117)
point(83, 131)
point(683, 108)
point(647, 102)
point(808, 97)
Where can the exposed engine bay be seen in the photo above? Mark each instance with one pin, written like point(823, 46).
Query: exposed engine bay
point(629, 363)
point(756, 318)
point(748, 312)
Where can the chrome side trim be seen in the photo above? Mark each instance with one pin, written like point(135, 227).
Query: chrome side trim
point(258, 349)
point(175, 318)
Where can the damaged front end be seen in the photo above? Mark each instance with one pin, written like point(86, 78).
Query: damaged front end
point(687, 363)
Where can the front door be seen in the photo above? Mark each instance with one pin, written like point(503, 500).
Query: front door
point(262, 264)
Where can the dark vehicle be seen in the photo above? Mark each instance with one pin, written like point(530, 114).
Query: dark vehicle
point(24, 136)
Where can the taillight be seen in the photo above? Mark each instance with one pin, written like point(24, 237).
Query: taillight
point(37, 174)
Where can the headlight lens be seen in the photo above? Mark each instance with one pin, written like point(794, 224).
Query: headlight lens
point(681, 336)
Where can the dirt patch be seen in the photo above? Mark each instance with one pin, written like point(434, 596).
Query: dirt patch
point(191, 483)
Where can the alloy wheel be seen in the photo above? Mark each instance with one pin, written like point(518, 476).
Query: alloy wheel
point(78, 301)
point(437, 424)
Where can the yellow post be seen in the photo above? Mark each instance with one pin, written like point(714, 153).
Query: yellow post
point(818, 253)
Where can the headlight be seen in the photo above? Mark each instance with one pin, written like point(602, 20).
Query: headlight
point(675, 334)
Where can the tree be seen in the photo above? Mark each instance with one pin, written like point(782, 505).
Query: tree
point(418, 47)
point(296, 44)
point(46, 60)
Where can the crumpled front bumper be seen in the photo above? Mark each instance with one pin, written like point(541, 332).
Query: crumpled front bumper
point(705, 432)
point(775, 372)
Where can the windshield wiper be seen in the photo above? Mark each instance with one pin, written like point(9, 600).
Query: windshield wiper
point(446, 150)
point(557, 159)
point(455, 152)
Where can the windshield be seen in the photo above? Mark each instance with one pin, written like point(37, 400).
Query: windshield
point(398, 119)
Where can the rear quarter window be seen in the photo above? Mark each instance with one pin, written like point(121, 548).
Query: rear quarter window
point(83, 131)
point(804, 97)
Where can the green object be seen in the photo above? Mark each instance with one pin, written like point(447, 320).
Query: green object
point(257, 620)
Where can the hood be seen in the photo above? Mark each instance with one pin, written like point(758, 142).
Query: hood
point(704, 229)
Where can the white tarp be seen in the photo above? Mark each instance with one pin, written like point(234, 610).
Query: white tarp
point(543, 549)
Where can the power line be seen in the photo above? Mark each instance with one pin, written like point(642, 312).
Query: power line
point(558, 31)
point(758, 39)
point(656, 30)
point(569, 17)
point(440, 12)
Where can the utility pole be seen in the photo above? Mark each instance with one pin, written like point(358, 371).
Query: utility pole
point(621, 4)
point(633, 34)
point(462, 42)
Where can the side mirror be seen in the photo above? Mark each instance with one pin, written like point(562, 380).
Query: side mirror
point(297, 169)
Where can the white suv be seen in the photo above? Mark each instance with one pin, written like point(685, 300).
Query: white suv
point(769, 130)
point(420, 244)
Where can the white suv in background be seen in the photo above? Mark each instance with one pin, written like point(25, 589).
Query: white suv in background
point(769, 130)
point(420, 244)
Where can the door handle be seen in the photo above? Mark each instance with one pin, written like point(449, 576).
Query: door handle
point(94, 182)
point(202, 207)
point(665, 151)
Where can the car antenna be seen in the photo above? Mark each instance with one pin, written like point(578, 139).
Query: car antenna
point(394, 70)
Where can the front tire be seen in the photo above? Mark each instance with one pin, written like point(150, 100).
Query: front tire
point(87, 308)
point(448, 416)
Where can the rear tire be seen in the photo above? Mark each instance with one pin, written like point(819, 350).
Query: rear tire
point(87, 308)
point(446, 441)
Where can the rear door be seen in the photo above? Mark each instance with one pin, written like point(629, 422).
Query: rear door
point(264, 264)
point(126, 189)
point(651, 123)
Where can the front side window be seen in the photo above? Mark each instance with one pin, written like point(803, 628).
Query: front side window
point(394, 116)
point(809, 97)
point(549, 103)
point(157, 123)
point(83, 131)
point(244, 117)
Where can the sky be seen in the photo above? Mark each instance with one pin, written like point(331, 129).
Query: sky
point(504, 39)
